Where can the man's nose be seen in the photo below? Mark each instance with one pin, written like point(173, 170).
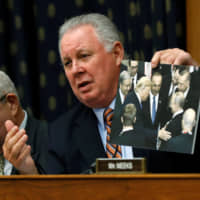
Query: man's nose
point(77, 67)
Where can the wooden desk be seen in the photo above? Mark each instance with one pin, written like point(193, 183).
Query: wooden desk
point(101, 187)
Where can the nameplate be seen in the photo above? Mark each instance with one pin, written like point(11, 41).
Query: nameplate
point(116, 165)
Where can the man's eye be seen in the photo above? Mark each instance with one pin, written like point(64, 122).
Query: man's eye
point(84, 55)
point(67, 63)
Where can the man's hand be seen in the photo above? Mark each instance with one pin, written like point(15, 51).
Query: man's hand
point(164, 135)
point(16, 151)
point(172, 56)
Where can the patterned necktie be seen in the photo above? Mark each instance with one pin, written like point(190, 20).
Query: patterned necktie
point(2, 160)
point(112, 150)
point(133, 83)
point(153, 110)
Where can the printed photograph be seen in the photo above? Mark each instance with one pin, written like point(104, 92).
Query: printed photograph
point(157, 108)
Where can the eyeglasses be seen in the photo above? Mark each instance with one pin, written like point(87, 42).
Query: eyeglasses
point(3, 97)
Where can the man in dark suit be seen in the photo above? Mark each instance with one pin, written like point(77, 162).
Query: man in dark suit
point(138, 97)
point(128, 118)
point(174, 125)
point(122, 92)
point(170, 75)
point(184, 143)
point(91, 57)
point(30, 158)
point(124, 86)
point(129, 133)
point(92, 68)
point(134, 73)
point(191, 95)
point(155, 106)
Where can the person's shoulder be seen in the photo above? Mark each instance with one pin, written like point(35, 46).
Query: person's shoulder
point(36, 121)
point(33, 123)
point(71, 116)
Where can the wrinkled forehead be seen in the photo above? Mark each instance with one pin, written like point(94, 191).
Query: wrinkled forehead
point(78, 38)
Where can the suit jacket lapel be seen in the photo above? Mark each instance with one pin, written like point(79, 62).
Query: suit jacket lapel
point(88, 139)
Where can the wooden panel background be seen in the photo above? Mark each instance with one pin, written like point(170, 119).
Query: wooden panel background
point(193, 28)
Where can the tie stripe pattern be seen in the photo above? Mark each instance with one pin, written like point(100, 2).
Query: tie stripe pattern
point(112, 150)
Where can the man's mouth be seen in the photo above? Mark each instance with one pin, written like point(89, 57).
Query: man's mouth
point(83, 84)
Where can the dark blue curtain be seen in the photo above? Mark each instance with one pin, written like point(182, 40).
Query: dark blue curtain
point(28, 42)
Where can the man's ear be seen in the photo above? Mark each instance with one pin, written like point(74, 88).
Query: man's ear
point(13, 103)
point(118, 52)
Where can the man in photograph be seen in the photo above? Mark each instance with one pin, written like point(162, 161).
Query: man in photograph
point(183, 143)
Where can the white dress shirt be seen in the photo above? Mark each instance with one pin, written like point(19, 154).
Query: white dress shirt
point(122, 97)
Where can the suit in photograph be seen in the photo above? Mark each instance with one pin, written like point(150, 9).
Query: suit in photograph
point(139, 75)
point(160, 113)
point(149, 135)
point(140, 117)
point(192, 99)
point(174, 127)
point(182, 143)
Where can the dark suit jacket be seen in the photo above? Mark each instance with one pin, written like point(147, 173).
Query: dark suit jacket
point(75, 143)
point(37, 138)
point(182, 143)
point(132, 98)
point(173, 126)
point(117, 116)
point(139, 75)
point(160, 114)
point(136, 138)
point(147, 132)
point(192, 99)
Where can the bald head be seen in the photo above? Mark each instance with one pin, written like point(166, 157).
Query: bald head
point(188, 120)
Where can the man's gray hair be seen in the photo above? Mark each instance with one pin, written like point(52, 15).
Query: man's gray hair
point(142, 83)
point(106, 31)
point(124, 75)
point(6, 85)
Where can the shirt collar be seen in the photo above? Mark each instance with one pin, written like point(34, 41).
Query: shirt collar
point(151, 95)
point(177, 113)
point(186, 92)
point(99, 111)
point(23, 124)
point(138, 96)
point(121, 96)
